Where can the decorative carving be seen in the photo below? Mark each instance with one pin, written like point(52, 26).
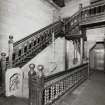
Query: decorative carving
point(14, 82)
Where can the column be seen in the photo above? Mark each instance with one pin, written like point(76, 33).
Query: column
point(74, 52)
point(81, 50)
point(83, 38)
point(86, 50)
point(10, 51)
point(75, 60)
point(65, 56)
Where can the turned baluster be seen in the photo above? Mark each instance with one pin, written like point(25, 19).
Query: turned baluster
point(46, 96)
point(52, 93)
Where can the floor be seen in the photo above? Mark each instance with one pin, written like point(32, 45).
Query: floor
point(91, 92)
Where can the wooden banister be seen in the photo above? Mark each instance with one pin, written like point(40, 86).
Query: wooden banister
point(46, 90)
point(28, 47)
point(37, 32)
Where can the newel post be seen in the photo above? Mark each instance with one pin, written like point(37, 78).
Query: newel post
point(10, 51)
point(80, 9)
point(36, 85)
point(4, 67)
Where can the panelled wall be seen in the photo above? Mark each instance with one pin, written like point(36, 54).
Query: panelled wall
point(21, 18)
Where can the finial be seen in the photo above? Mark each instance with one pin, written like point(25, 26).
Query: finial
point(80, 6)
point(10, 37)
point(3, 54)
point(32, 66)
point(40, 67)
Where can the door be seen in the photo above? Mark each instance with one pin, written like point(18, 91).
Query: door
point(99, 59)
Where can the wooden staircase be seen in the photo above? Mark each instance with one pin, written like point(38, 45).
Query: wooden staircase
point(72, 28)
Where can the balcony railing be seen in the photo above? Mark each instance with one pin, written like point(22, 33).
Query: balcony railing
point(93, 14)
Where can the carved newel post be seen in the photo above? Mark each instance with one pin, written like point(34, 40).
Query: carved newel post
point(80, 9)
point(4, 67)
point(36, 85)
point(10, 51)
point(80, 6)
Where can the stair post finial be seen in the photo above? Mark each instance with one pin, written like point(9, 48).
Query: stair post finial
point(40, 68)
point(10, 51)
point(32, 67)
point(80, 6)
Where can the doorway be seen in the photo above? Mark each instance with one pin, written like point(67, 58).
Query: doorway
point(99, 59)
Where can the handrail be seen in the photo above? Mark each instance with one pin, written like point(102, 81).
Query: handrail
point(94, 5)
point(53, 76)
point(92, 47)
point(83, 9)
point(33, 34)
point(28, 47)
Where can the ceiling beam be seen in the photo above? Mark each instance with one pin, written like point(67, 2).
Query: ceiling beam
point(53, 4)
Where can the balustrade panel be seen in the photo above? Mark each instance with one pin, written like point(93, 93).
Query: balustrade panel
point(54, 90)
point(33, 44)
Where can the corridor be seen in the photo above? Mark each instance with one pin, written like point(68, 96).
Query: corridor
point(91, 92)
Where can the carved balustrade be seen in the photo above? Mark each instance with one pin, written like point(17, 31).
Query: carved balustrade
point(26, 48)
point(93, 14)
point(72, 23)
point(46, 90)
